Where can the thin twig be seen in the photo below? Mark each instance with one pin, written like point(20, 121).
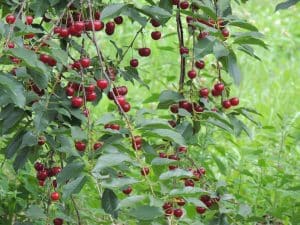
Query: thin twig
point(76, 210)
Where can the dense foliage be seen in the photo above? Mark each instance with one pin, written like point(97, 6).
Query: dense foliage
point(84, 150)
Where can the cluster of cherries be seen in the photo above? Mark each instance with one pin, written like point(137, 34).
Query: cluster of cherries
point(11, 19)
point(216, 91)
point(76, 25)
point(188, 182)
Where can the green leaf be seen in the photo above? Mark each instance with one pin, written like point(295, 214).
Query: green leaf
point(134, 14)
point(72, 170)
point(207, 7)
point(244, 210)
point(219, 220)
point(162, 161)
point(77, 133)
point(14, 145)
point(30, 58)
point(35, 212)
point(112, 10)
point(224, 8)
point(168, 97)
point(195, 201)
point(178, 173)
point(243, 24)
point(74, 186)
point(233, 68)
point(41, 119)
point(110, 202)
point(249, 51)
point(250, 41)
point(106, 118)
point(168, 134)
point(60, 55)
point(13, 89)
point(29, 139)
point(9, 117)
point(286, 4)
point(155, 12)
point(204, 47)
point(220, 164)
point(21, 158)
point(146, 212)
point(187, 191)
point(220, 50)
point(119, 182)
point(130, 201)
point(109, 160)
point(152, 123)
point(131, 74)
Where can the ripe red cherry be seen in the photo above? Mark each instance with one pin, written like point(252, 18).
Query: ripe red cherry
point(55, 170)
point(189, 183)
point(85, 62)
point(42, 174)
point(10, 45)
point(114, 127)
point(91, 96)
point(198, 108)
point(118, 20)
point(175, 2)
point(110, 28)
point(42, 140)
point(155, 23)
point(102, 84)
point(55, 196)
point(70, 91)
point(225, 33)
point(58, 221)
point(97, 145)
point(192, 74)
point(144, 52)
point(122, 90)
point(79, 26)
point(145, 171)
point(156, 35)
point(174, 108)
point(127, 191)
point(57, 30)
point(169, 212)
point(38, 166)
point(226, 104)
point(234, 101)
point(80, 146)
point(180, 201)
point(167, 205)
point(90, 88)
point(29, 20)
point(219, 87)
point(184, 4)
point(134, 63)
point(203, 34)
point(126, 107)
point(121, 100)
point(215, 93)
point(172, 167)
point(162, 155)
point(200, 210)
point(182, 149)
point(97, 15)
point(10, 19)
point(44, 58)
point(184, 50)
point(77, 102)
point(204, 92)
point(98, 25)
point(51, 62)
point(200, 64)
point(201, 170)
point(178, 213)
point(64, 32)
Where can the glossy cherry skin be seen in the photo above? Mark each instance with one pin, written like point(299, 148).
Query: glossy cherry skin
point(55, 196)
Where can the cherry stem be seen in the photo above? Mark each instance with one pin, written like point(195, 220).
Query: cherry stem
point(181, 44)
point(76, 210)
